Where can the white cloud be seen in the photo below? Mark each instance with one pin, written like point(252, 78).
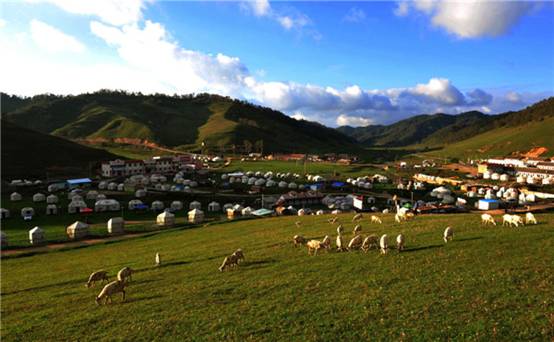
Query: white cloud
point(260, 7)
point(51, 39)
point(3, 23)
point(470, 18)
point(355, 15)
point(293, 19)
point(513, 97)
point(356, 121)
point(402, 9)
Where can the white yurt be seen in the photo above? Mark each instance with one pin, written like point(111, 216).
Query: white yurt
point(224, 176)
point(320, 212)
point(27, 211)
point(495, 176)
point(193, 184)
point(238, 207)
point(270, 183)
point(112, 186)
point(165, 219)
point(166, 187)
point(39, 197)
point(176, 205)
point(15, 196)
point(214, 206)
point(107, 205)
point(259, 182)
point(227, 206)
point(116, 225)
point(546, 181)
point(133, 204)
point(102, 185)
point(486, 175)
point(92, 195)
point(121, 187)
point(77, 230)
point(52, 199)
point(246, 211)
point(3, 239)
point(520, 179)
point(4, 213)
point(530, 198)
point(195, 205)
point(293, 185)
point(100, 197)
point(196, 216)
point(36, 236)
point(157, 205)
point(51, 209)
point(76, 198)
point(52, 188)
point(283, 184)
point(140, 193)
point(75, 206)
point(531, 180)
point(187, 189)
point(504, 177)
point(251, 181)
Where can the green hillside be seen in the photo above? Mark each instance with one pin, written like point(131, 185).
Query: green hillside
point(26, 153)
point(174, 121)
point(488, 284)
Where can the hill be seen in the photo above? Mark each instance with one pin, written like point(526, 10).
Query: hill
point(175, 121)
point(442, 129)
point(432, 291)
point(26, 153)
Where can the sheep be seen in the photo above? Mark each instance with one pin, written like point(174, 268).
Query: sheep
point(399, 217)
point(355, 243)
point(376, 219)
point(384, 243)
point(298, 240)
point(448, 234)
point(158, 259)
point(512, 220)
point(370, 241)
point(111, 289)
point(409, 216)
point(487, 218)
point(124, 273)
point(357, 217)
point(530, 218)
point(517, 220)
point(340, 229)
point(507, 219)
point(313, 245)
point(400, 241)
point(298, 224)
point(357, 230)
point(230, 261)
point(340, 243)
point(333, 220)
point(96, 276)
point(326, 242)
point(239, 254)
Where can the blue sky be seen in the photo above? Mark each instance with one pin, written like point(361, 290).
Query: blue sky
point(354, 63)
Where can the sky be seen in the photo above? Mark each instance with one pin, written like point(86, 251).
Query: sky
point(337, 63)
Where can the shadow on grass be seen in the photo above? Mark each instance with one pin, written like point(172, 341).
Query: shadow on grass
point(469, 239)
point(256, 263)
point(422, 248)
point(138, 299)
point(44, 287)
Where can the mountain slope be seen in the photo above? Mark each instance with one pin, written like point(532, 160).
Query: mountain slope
point(26, 153)
point(175, 121)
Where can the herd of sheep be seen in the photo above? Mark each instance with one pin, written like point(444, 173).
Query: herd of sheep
point(117, 286)
point(509, 219)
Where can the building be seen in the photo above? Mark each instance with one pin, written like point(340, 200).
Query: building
point(488, 204)
point(124, 168)
point(300, 198)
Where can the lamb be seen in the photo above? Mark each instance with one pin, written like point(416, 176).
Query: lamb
point(340, 243)
point(384, 243)
point(357, 230)
point(313, 245)
point(96, 276)
point(158, 259)
point(370, 241)
point(298, 240)
point(530, 218)
point(357, 217)
point(340, 229)
point(298, 224)
point(326, 242)
point(448, 234)
point(239, 254)
point(512, 220)
point(124, 273)
point(333, 220)
point(230, 261)
point(355, 243)
point(400, 241)
point(111, 289)
point(487, 219)
point(376, 219)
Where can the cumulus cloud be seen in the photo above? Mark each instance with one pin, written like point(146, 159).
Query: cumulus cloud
point(51, 39)
point(355, 15)
point(356, 121)
point(513, 97)
point(291, 19)
point(470, 18)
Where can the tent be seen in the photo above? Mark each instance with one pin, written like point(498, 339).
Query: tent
point(196, 216)
point(121, 187)
point(106, 205)
point(247, 211)
point(165, 219)
point(132, 205)
point(27, 212)
point(140, 193)
point(51, 209)
point(100, 197)
point(157, 205)
point(3, 239)
point(320, 212)
point(195, 205)
point(214, 206)
point(116, 225)
point(102, 185)
point(4, 213)
point(52, 199)
point(92, 195)
point(39, 197)
point(176, 205)
point(112, 186)
point(77, 230)
point(36, 236)
point(15, 196)
point(227, 206)
point(75, 206)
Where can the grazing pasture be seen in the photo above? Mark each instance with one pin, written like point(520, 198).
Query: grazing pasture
point(487, 283)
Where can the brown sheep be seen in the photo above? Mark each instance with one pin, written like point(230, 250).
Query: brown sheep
point(96, 276)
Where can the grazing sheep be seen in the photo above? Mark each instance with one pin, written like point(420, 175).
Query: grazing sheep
point(111, 289)
point(530, 218)
point(229, 261)
point(357, 217)
point(298, 224)
point(399, 217)
point(239, 254)
point(448, 234)
point(370, 241)
point(340, 229)
point(333, 220)
point(158, 259)
point(124, 273)
point(96, 276)
point(355, 243)
point(400, 241)
point(409, 216)
point(375, 219)
point(512, 220)
point(384, 243)
point(517, 220)
point(487, 219)
point(340, 243)
point(326, 242)
point(298, 240)
point(313, 245)
point(357, 230)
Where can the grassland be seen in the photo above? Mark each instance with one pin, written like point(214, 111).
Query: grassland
point(490, 283)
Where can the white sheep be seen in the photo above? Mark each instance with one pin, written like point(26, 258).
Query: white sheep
point(326, 242)
point(448, 234)
point(340, 229)
point(357, 217)
point(355, 243)
point(124, 273)
point(517, 220)
point(239, 254)
point(158, 259)
point(399, 217)
point(229, 261)
point(384, 243)
point(340, 242)
point(96, 276)
point(512, 220)
point(111, 289)
point(357, 230)
point(313, 245)
point(370, 241)
point(375, 219)
point(298, 240)
point(530, 218)
point(400, 242)
point(487, 219)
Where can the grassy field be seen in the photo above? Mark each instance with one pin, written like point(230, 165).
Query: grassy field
point(490, 283)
